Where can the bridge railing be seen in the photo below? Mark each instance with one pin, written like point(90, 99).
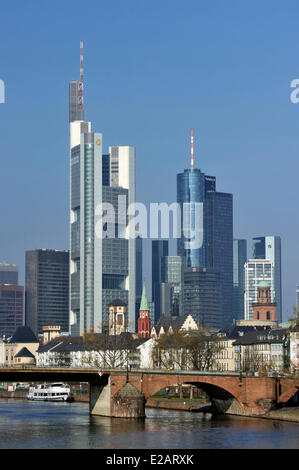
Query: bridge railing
point(138, 371)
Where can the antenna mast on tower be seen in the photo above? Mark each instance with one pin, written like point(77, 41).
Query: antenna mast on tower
point(192, 154)
point(80, 83)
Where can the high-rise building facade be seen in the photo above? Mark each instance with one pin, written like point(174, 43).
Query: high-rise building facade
point(257, 270)
point(76, 101)
point(269, 247)
point(172, 278)
point(239, 260)
point(219, 246)
point(9, 274)
point(103, 258)
point(191, 191)
point(202, 296)
point(11, 308)
point(139, 265)
point(214, 226)
point(47, 289)
point(159, 249)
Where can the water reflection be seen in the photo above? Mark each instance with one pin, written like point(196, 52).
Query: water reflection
point(42, 425)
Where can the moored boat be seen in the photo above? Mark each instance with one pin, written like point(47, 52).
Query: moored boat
point(50, 392)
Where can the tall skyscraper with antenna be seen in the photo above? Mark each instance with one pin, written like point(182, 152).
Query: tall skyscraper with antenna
point(216, 252)
point(102, 269)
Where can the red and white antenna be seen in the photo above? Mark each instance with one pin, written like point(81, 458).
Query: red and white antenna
point(192, 154)
point(80, 84)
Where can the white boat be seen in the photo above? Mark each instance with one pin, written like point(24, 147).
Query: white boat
point(50, 392)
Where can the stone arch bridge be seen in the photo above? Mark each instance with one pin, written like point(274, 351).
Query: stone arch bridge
point(110, 394)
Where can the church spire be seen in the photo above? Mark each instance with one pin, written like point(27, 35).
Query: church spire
point(144, 301)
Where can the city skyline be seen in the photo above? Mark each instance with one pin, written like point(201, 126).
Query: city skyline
point(222, 144)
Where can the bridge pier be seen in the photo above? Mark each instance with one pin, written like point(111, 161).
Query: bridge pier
point(99, 397)
point(127, 402)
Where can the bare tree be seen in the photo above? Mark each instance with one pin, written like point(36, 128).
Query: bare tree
point(179, 349)
point(103, 350)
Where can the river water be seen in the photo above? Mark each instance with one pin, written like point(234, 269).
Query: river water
point(43, 425)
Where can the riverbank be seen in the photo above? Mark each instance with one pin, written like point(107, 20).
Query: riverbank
point(22, 395)
point(283, 414)
point(176, 404)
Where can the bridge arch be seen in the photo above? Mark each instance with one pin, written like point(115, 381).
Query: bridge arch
point(222, 398)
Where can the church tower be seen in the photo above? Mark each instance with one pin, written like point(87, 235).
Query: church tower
point(144, 322)
point(264, 309)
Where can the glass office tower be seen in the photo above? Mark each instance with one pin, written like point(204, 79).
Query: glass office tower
point(172, 277)
point(202, 296)
point(239, 260)
point(216, 251)
point(47, 289)
point(159, 249)
point(219, 246)
point(269, 247)
point(102, 268)
point(190, 190)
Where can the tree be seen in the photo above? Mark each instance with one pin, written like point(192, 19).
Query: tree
point(179, 349)
point(104, 350)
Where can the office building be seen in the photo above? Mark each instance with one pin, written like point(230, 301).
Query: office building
point(172, 278)
point(219, 246)
point(9, 274)
point(256, 270)
point(191, 191)
point(202, 296)
point(159, 249)
point(214, 228)
point(103, 251)
point(47, 289)
point(139, 265)
point(11, 308)
point(269, 247)
point(239, 260)
point(103, 258)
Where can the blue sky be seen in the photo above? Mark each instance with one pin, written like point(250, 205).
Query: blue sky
point(153, 70)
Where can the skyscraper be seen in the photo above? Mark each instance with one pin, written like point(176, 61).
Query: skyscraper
point(103, 257)
point(9, 274)
point(11, 308)
point(159, 249)
point(191, 190)
point(102, 268)
point(202, 296)
point(257, 270)
point(47, 289)
point(269, 247)
point(219, 246)
point(172, 277)
point(215, 227)
point(239, 260)
point(138, 268)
